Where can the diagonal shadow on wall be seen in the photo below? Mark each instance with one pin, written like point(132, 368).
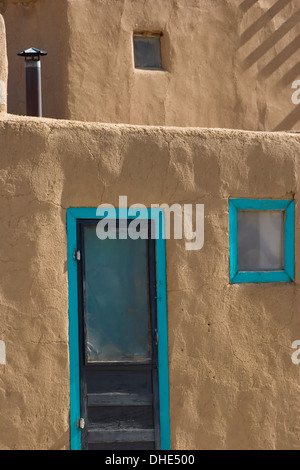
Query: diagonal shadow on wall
point(289, 121)
point(247, 4)
point(266, 45)
point(261, 22)
point(290, 76)
point(280, 59)
point(287, 53)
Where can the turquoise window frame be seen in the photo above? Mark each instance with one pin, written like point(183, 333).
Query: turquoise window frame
point(74, 214)
point(285, 275)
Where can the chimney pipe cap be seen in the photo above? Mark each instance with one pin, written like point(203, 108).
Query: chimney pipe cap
point(32, 53)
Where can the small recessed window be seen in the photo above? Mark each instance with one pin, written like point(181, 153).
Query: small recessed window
point(261, 240)
point(147, 51)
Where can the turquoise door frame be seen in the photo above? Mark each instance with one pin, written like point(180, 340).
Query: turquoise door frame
point(157, 215)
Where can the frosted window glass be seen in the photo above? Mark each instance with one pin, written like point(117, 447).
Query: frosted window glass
point(260, 239)
point(117, 310)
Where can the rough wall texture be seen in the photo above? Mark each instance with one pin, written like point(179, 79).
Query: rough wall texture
point(3, 66)
point(232, 382)
point(226, 63)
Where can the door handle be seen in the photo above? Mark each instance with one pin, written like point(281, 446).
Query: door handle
point(80, 423)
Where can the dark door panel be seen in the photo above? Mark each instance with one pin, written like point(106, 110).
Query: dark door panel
point(118, 344)
point(123, 446)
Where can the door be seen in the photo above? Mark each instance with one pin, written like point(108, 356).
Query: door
point(118, 340)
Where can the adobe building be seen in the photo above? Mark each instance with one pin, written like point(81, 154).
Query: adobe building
point(127, 338)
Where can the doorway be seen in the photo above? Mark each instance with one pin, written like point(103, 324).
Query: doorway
point(119, 375)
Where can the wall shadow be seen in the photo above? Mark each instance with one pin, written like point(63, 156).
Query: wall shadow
point(290, 76)
point(289, 121)
point(276, 68)
point(270, 42)
point(247, 4)
point(279, 60)
point(262, 21)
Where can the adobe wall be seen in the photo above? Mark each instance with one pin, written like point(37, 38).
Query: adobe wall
point(226, 64)
point(232, 381)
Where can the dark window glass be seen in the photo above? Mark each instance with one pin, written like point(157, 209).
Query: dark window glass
point(147, 53)
point(117, 311)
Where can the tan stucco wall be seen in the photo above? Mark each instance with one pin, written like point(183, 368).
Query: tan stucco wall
point(227, 63)
point(232, 381)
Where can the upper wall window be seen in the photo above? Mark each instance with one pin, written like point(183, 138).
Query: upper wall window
point(261, 240)
point(147, 51)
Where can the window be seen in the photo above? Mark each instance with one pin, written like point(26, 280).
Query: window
point(147, 51)
point(261, 234)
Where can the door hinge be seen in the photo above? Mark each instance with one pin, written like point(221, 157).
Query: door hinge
point(80, 423)
point(77, 255)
